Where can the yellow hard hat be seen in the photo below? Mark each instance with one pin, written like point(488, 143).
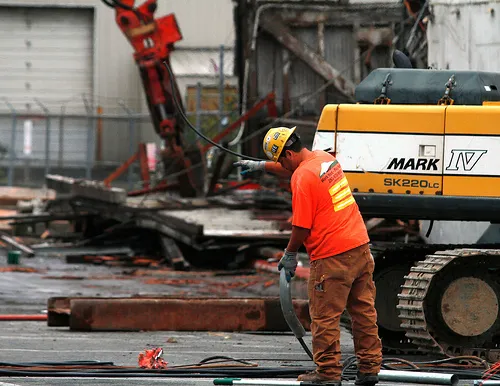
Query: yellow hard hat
point(275, 140)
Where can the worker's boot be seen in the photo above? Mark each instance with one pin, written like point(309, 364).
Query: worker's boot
point(366, 379)
point(320, 379)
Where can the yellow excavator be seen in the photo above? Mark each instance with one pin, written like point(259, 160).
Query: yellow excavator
point(424, 144)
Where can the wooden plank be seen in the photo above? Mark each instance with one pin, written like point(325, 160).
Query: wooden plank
point(318, 64)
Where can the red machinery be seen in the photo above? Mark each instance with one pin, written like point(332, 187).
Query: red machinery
point(153, 40)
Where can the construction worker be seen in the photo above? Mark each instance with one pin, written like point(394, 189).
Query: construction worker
point(326, 219)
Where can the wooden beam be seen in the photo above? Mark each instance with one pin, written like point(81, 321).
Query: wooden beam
point(318, 64)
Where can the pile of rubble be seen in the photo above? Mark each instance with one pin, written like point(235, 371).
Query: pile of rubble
point(88, 222)
point(85, 221)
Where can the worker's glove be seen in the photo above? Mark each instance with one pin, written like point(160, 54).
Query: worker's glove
point(250, 166)
point(289, 263)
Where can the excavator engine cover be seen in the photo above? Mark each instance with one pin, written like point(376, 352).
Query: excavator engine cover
point(417, 86)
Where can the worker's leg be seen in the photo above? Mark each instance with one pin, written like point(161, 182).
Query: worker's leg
point(361, 307)
point(329, 285)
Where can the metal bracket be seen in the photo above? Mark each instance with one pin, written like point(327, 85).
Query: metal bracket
point(446, 100)
point(383, 99)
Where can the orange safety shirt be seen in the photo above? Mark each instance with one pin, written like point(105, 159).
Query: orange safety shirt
point(322, 202)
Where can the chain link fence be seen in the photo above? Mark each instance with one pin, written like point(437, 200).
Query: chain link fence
point(89, 140)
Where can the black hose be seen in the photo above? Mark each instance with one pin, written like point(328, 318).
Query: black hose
point(66, 363)
point(108, 3)
point(118, 3)
point(348, 372)
point(190, 125)
point(226, 359)
point(267, 372)
point(306, 349)
point(430, 229)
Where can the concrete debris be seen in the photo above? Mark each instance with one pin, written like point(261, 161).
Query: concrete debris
point(87, 222)
point(72, 187)
point(221, 231)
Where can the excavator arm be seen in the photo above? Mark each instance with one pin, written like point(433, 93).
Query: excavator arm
point(153, 40)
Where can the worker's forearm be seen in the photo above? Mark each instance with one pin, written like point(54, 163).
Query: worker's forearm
point(276, 168)
point(297, 238)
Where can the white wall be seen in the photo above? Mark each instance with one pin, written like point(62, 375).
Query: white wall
point(203, 23)
point(464, 35)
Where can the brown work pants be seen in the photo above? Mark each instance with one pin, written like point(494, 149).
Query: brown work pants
point(336, 283)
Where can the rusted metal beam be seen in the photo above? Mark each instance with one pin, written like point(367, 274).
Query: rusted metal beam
point(89, 189)
point(284, 35)
point(183, 314)
point(121, 169)
point(173, 254)
point(343, 15)
point(161, 187)
point(268, 101)
point(58, 310)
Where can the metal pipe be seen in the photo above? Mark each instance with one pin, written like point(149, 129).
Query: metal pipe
point(89, 107)
point(47, 135)
point(480, 382)
point(61, 136)
point(23, 248)
point(221, 87)
point(198, 107)
point(132, 147)
point(418, 377)
point(12, 150)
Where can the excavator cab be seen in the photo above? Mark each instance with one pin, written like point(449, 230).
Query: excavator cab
point(418, 132)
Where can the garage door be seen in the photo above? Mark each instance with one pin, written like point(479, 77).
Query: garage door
point(47, 56)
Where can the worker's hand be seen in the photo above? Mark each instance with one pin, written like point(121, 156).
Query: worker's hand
point(289, 263)
point(248, 166)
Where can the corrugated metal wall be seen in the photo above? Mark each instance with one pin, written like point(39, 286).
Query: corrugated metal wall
point(339, 51)
point(303, 81)
point(115, 75)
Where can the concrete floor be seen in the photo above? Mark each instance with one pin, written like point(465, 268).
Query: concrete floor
point(27, 293)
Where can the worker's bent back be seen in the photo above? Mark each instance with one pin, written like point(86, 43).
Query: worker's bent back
point(322, 201)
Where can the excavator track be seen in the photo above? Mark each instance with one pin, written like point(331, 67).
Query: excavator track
point(393, 262)
point(449, 303)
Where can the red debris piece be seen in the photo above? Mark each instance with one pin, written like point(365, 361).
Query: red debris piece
point(270, 283)
point(19, 269)
point(145, 262)
point(151, 359)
